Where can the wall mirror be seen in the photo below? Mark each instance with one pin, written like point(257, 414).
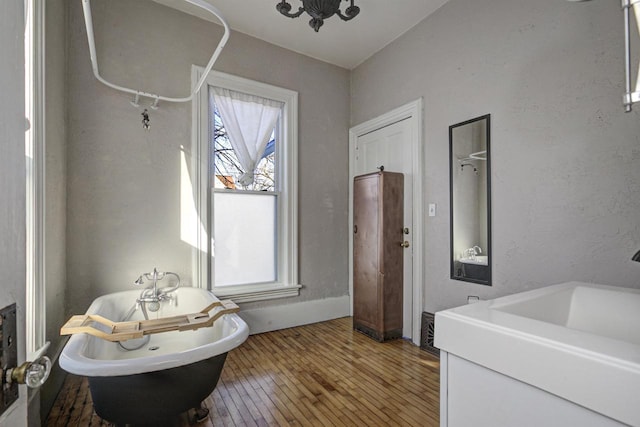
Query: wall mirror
point(470, 178)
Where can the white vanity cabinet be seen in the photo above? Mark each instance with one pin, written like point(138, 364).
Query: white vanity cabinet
point(562, 356)
point(474, 396)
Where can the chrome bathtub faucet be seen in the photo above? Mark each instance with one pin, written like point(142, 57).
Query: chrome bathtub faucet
point(151, 296)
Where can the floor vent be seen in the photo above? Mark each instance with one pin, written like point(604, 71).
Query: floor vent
point(427, 333)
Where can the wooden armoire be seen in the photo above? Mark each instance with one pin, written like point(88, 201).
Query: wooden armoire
point(378, 200)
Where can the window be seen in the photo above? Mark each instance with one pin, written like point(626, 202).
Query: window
point(247, 132)
point(245, 193)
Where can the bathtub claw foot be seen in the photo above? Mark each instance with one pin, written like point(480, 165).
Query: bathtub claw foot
point(200, 414)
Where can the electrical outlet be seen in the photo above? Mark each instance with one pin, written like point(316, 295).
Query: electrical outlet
point(9, 356)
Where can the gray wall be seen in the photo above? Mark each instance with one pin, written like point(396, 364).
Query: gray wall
point(565, 157)
point(55, 167)
point(123, 183)
point(55, 191)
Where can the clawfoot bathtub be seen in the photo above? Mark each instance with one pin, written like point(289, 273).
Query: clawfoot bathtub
point(165, 374)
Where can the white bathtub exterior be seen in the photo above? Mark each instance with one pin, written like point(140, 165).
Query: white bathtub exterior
point(91, 356)
point(576, 341)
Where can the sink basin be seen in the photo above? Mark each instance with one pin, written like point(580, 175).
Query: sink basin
point(578, 341)
point(478, 260)
point(608, 313)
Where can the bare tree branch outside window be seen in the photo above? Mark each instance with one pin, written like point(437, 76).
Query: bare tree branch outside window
point(227, 168)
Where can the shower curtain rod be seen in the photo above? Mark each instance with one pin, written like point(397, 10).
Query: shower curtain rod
point(478, 155)
point(86, 6)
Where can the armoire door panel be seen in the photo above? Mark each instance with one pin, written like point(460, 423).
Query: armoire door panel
point(377, 254)
point(365, 249)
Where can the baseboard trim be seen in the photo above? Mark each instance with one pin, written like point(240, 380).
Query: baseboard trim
point(277, 317)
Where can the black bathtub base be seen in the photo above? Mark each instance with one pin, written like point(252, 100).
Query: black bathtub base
point(154, 397)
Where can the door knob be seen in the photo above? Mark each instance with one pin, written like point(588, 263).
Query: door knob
point(33, 374)
point(405, 244)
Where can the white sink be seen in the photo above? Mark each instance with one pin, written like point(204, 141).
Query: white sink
point(606, 312)
point(478, 260)
point(578, 341)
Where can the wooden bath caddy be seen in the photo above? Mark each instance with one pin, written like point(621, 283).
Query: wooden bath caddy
point(106, 329)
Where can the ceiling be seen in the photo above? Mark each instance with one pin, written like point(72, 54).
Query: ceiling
point(346, 44)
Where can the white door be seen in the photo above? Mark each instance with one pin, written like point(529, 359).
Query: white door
point(12, 185)
point(391, 147)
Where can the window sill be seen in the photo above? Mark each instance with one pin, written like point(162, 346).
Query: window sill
point(251, 293)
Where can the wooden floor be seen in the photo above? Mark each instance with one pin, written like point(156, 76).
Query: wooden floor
point(317, 375)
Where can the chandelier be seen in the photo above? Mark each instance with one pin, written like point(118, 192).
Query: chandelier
point(319, 10)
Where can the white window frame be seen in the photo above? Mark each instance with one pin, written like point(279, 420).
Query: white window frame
point(36, 344)
point(287, 215)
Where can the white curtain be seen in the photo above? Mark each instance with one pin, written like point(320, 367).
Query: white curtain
point(249, 121)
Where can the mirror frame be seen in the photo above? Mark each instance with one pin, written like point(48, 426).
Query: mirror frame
point(488, 251)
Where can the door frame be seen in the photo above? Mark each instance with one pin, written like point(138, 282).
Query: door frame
point(411, 111)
